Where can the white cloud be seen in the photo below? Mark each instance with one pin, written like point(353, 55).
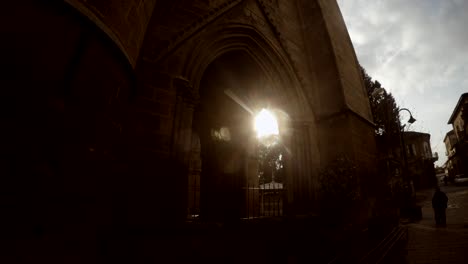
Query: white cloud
point(418, 51)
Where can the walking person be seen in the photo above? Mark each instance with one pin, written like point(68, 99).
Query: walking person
point(439, 203)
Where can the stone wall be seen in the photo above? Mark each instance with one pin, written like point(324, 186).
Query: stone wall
point(99, 100)
point(137, 113)
point(124, 22)
point(63, 159)
point(77, 161)
point(346, 61)
point(314, 51)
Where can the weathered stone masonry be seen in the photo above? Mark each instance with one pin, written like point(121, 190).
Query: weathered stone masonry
point(101, 96)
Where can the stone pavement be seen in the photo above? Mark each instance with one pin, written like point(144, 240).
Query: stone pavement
point(430, 244)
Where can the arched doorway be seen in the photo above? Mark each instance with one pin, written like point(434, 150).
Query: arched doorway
point(232, 89)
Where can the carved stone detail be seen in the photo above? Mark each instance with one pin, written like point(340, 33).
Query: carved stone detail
point(269, 8)
point(185, 91)
point(187, 32)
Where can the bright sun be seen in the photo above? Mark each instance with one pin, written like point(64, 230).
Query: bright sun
point(265, 124)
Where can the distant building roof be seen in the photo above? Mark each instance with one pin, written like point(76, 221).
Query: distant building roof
point(416, 134)
point(451, 132)
point(457, 108)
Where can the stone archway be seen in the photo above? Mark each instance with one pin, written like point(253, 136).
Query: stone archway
point(241, 49)
point(233, 87)
point(223, 127)
point(309, 59)
point(225, 38)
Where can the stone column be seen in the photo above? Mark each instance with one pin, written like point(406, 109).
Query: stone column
point(183, 116)
point(182, 132)
point(301, 174)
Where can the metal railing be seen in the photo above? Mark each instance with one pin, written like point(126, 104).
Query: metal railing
point(264, 200)
point(256, 200)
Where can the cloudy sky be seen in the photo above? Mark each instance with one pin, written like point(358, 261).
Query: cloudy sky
point(417, 50)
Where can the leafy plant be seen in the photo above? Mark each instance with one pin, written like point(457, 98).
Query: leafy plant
point(339, 184)
point(271, 161)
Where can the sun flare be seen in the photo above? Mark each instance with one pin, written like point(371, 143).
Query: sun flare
point(265, 124)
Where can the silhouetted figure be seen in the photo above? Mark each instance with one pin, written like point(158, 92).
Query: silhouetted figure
point(439, 203)
point(445, 180)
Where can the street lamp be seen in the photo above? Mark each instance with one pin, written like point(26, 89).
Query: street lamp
point(409, 193)
point(408, 190)
point(412, 119)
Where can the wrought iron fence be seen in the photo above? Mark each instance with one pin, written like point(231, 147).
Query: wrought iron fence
point(263, 200)
point(256, 200)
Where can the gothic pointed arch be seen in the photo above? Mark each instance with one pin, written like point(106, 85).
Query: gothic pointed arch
point(226, 38)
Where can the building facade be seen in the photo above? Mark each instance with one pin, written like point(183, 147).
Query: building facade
point(420, 159)
point(111, 107)
point(456, 140)
point(452, 165)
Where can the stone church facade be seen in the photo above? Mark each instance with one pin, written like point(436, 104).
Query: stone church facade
point(106, 103)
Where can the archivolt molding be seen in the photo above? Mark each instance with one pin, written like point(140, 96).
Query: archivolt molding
point(226, 28)
point(186, 33)
point(185, 90)
point(230, 37)
point(190, 31)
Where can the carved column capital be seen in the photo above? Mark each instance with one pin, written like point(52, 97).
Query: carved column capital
point(185, 91)
point(299, 124)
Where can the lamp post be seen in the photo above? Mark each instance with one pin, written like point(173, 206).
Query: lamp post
point(403, 145)
point(413, 211)
point(408, 193)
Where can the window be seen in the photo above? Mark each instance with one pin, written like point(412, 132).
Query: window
point(427, 150)
point(411, 150)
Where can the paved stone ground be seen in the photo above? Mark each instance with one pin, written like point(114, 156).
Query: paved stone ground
point(430, 244)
